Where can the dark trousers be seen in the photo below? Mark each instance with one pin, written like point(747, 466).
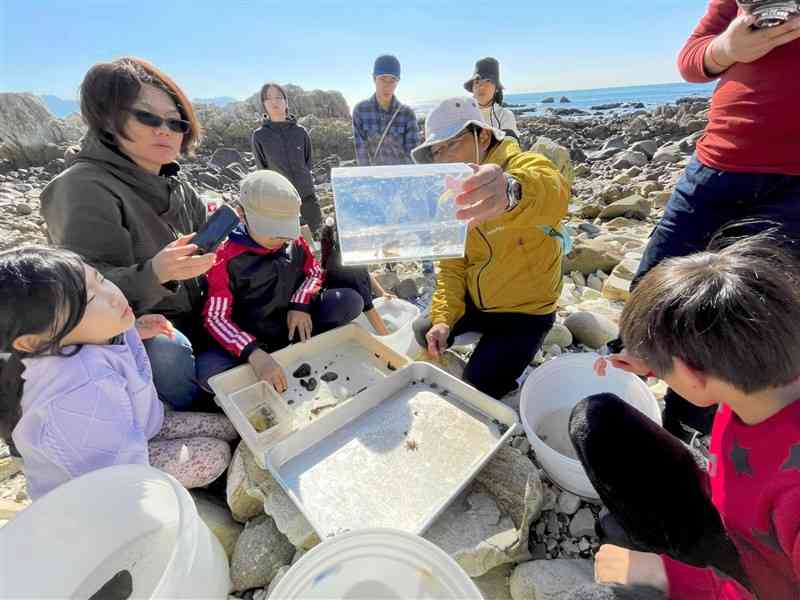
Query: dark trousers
point(706, 200)
point(354, 278)
point(310, 213)
point(330, 309)
point(508, 344)
point(658, 498)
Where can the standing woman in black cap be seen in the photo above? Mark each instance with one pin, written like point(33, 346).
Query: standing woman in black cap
point(485, 87)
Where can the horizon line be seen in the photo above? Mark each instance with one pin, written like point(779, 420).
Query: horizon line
point(417, 101)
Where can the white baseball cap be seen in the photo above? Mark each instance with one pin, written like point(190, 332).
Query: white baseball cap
point(447, 121)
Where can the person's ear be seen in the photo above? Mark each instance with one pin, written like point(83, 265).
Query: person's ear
point(696, 378)
point(27, 344)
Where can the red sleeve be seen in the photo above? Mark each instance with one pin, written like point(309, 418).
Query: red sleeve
point(718, 16)
point(786, 516)
point(219, 306)
point(687, 582)
point(313, 281)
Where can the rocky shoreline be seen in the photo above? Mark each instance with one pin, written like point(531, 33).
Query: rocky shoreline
point(625, 167)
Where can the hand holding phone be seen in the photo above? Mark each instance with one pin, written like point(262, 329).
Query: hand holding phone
point(217, 228)
point(178, 261)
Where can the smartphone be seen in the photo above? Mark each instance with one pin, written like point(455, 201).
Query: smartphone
point(221, 222)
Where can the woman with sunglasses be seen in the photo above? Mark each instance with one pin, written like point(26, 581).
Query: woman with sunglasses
point(121, 207)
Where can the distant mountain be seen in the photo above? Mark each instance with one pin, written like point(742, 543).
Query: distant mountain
point(60, 107)
point(219, 101)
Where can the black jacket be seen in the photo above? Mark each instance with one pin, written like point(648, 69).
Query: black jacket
point(285, 147)
point(118, 216)
point(252, 289)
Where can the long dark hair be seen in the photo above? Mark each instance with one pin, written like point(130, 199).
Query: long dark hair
point(265, 90)
point(43, 293)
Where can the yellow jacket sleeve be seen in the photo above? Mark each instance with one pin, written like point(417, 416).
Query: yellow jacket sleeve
point(545, 191)
point(449, 301)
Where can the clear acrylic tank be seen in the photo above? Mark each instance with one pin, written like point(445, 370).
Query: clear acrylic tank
point(399, 213)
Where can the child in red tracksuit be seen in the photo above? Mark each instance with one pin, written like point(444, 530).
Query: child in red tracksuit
point(266, 289)
point(721, 328)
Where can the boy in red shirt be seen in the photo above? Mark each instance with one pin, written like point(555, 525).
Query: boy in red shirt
point(747, 163)
point(723, 329)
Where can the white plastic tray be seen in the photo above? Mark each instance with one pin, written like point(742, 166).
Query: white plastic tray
point(394, 456)
point(354, 355)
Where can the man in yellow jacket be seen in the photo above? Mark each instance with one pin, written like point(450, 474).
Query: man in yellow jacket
point(507, 285)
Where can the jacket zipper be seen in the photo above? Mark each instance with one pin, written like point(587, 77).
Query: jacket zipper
point(486, 264)
point(182, 212)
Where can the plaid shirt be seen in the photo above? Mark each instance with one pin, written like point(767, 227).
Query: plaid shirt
point(369, 123)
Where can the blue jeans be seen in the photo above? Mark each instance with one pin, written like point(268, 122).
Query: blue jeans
point(330, 309)
point(704, 201)
point(173, 365)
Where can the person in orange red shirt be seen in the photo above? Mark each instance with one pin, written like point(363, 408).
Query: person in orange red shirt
point(747, 162)
point(723, 328)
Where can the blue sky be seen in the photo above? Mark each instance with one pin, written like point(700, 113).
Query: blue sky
point(229, 48)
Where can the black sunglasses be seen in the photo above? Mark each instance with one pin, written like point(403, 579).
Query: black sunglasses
point(151, 120)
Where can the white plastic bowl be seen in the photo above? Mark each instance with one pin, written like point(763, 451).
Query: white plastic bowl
point(560, 384)
point(399, 317)
point(71, 541)
point(376, 563)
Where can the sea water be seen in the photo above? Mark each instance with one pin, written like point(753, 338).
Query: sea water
point(553, 430)
point(399, 213)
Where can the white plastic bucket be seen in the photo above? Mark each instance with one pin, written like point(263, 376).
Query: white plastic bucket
point(72, 541)
point(399, 317)
point(376, 563)
point(558, 385)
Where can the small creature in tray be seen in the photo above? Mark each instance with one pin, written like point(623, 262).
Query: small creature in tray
point(261, 419)
point(302, 371)
point(310, 384)
point(411, 446)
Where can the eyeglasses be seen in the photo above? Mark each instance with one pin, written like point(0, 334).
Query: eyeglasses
point(150, 120)
point(445, 148)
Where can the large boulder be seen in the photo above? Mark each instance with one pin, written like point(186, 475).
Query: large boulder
point(218, 519)
point(591, 329)
point(558, 154)
point(633, 206)
point(232, 125)
point(325, 104)
point(514, 482)
point(29, 134)
point(646, 147)
point(330, 136)
point(618, 284)
point(260, 552)
point(244, 477)
point(222, 157)
point(476, 534)
point(590, 255)
point(670, 153)
point(549, 579)
point(630, 158)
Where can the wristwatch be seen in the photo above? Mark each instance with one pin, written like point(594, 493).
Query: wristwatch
point(513, 192)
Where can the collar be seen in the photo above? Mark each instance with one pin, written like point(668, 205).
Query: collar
point(392, 105)
point(241, 237)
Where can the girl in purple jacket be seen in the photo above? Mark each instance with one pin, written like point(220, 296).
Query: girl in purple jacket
point(76, 391)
